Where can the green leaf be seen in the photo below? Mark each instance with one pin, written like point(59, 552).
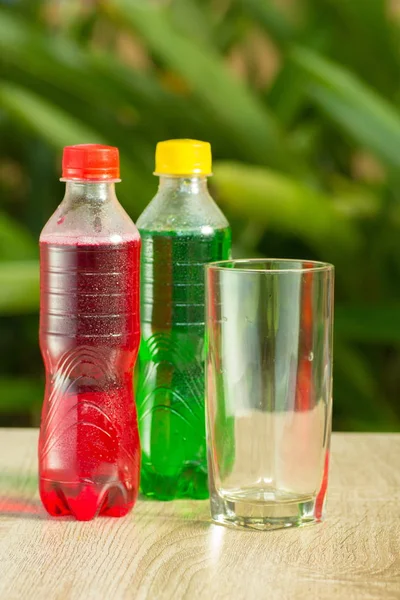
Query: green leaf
point(20, 395)
point(48, 58)
point(361, 113)
point(91, 85)
point(16, 243)
point(19, 287)
point(266, 14)
point(241, 114)
point(368, 409)
point(55, 60)
point(191, 11)
point(286, 205)
point(372, 324)
point(286, 96)
point(366, 33)
point(357, 201)
point(59, 129)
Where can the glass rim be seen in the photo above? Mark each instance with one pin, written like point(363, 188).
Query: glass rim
point(317, 266)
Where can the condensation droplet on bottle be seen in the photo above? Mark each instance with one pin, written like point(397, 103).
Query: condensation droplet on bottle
point(224, 319)
point(311, 356)
point(97, 224)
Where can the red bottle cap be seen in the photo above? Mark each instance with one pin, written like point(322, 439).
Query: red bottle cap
point(90, 162)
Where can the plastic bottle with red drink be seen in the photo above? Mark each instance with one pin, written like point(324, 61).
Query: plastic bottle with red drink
point(89, 452)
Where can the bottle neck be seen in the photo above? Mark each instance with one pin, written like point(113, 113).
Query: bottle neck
point(183, 185)
point(98, 192)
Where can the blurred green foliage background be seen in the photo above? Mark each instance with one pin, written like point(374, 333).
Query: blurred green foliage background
point(300, 100)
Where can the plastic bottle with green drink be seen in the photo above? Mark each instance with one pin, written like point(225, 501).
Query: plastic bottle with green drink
point(182, 229)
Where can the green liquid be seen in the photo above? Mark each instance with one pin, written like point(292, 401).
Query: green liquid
point(170, 383)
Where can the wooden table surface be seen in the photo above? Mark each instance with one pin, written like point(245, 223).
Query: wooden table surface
point(172, 550)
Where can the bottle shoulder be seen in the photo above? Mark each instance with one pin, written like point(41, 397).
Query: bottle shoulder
point(90, 223)
point(183, 212)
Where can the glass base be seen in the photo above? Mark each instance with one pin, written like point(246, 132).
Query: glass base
point(246, 513)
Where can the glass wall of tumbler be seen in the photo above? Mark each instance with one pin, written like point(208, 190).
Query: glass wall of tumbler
point(269, 388)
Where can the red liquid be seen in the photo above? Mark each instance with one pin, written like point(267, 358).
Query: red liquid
point(89, 452)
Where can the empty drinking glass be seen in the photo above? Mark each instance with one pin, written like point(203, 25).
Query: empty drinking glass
point(269, 388)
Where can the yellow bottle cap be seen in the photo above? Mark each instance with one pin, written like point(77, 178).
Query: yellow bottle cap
point(183, 157)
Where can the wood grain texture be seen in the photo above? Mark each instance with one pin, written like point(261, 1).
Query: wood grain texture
point(172, 551)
